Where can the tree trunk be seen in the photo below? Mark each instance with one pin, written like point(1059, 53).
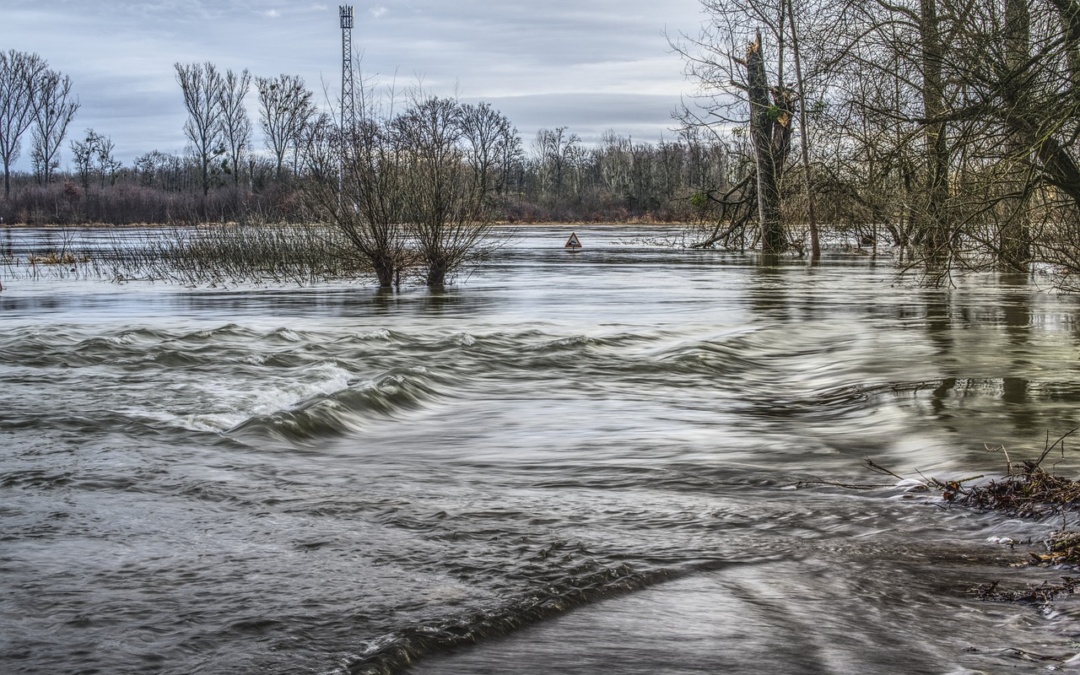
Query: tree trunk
point(1069, 11)
point(1014, 246)
point(934, 225)
point(815, 244)
point(770, 132)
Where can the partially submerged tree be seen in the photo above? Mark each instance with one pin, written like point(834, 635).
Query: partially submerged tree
point(406, 189)
point(447, 209)
point(770, 136)
point(360, 189)
point(746, 87)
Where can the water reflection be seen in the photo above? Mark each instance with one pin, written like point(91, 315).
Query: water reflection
point(766, 293)
point(938, 321)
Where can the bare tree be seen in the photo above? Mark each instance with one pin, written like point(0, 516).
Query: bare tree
point(107, 164)
point(1014, 241)
point(361, 192)
point(84, 153)
point(285, 106)
point(935, 229)
point(745, 86)
point(446, 211)
point(804, 137)
point(19, 73)
point(493, 145)
point(54, 108)
point(235, 124)
point(555, 150)
point(202, 86)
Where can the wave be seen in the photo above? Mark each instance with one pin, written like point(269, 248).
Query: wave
point(393, 653)
point(347, 409)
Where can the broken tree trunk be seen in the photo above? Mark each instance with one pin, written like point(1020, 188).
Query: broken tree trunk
point(770, 134)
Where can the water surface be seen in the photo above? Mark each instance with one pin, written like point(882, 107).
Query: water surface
point(568, 462)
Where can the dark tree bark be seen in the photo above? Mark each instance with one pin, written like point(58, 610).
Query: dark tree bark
point(770, 134)
point(934, 225)
point(1014, 245)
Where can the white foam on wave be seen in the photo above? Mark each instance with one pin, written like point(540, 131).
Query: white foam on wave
point(224, 404)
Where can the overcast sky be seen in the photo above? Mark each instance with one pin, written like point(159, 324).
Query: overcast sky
point(589, 65)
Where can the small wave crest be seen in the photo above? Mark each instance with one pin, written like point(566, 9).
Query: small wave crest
point(392, 653)
point(346, 409)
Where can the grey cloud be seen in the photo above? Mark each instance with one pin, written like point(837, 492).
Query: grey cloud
point(560, 62)
point(645, 118)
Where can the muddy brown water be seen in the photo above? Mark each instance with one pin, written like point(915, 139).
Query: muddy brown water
point(568, 462)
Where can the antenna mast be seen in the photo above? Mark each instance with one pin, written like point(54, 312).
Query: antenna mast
point(348, 99)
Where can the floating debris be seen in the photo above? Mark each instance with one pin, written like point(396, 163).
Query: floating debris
point(1040, 595)
point(1031, 494)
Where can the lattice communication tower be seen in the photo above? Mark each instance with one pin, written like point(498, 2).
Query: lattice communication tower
point(348, 99)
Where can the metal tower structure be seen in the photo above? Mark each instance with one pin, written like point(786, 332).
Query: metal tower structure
point(348, 98)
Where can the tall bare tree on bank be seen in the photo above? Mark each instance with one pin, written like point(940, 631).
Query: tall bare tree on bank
point(54, 108)
point(285, 107)
point(556, 151)
point(235, 124)
point(83, 153)
point(202, 86)
point(19, 74)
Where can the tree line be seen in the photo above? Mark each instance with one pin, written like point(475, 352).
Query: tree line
point(946, 128)
point(226, 175)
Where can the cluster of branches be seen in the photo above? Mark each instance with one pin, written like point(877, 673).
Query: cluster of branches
point(219, 130)
point(412, 189)
point(32, 96)
point(948, 125)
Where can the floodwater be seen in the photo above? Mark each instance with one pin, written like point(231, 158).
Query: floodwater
point(569, 462)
